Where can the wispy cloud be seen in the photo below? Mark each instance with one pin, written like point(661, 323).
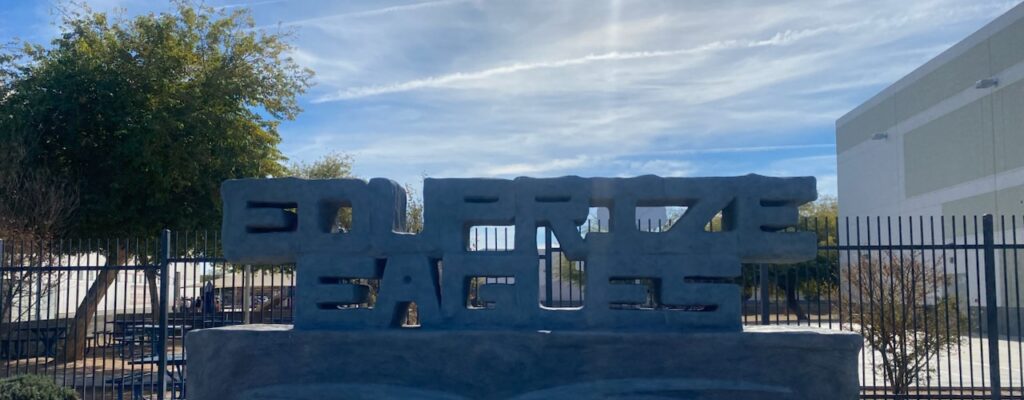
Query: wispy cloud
point(378, 11)
point(250, 4)
point(543, 167)
point(590, 87)
point(779, 39)
point(607, 88)
point(660, 167)
point(740, 149)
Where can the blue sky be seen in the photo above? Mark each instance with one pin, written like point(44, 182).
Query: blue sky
point(461, 88)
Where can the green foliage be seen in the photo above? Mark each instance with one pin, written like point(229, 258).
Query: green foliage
point(9, 58)
point(413, 212)
point(146, 116)
point(330, 166)
point(34, 387)
point(813, 279)
point(821, 217)
point(339, 165)
point(825, 207)
point(815, 289)
point(816, 277)
point(567, 270)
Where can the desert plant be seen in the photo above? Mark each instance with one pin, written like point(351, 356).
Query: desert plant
point(900, 304)
point(34, 387)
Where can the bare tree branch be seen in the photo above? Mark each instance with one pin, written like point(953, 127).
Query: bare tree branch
point(900, 304)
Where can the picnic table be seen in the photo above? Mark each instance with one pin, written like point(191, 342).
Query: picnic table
point(31, 338)
point(155, 329)
point(176, 371)
point(13, 346)
point(133, 381)
point(49, 336)
point(146, 333)
point(125, 325)
point(126, 339)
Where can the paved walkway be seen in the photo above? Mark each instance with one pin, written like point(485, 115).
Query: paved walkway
point(967, 365)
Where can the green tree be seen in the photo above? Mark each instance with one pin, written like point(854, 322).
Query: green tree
point(330, 166)
point(145, 117)
point(148, 116)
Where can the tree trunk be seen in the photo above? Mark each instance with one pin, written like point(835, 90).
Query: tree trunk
point(792, 303)
point(154, 295)
point(74, 345)
point(8, 299)
point(5, 311)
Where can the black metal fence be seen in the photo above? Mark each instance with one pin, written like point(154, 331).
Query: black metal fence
point(937, 299)
point(97, 315)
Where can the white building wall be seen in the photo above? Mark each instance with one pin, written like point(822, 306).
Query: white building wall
point(950, 148)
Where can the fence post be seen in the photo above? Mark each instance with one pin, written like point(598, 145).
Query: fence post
point(763, 284)
point(165, 250)
point(991, 311)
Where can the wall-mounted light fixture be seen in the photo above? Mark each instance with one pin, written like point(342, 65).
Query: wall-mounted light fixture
point(880, 136)
point(987, 83)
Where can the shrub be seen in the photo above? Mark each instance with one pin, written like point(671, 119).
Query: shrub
point(902, 304)
point(34, 387)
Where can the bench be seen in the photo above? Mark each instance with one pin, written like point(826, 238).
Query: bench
point(133, 381)
point(14, 348)
point(138, 381)
point(18, 344)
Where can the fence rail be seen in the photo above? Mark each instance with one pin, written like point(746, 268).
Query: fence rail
point(938, 300)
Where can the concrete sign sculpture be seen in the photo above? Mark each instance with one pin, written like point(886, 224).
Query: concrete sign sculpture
point(661, 311)
point(691, 272)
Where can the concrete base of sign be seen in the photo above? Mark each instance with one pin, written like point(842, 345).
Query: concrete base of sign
point(275, 362)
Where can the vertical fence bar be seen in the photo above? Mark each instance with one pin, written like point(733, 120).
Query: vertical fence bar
point(1020, 331)
point(979, 258)
point(765, 301)
point(165, 250)
point(935, 291)
point(990, 308)
point(1006, 296)
point(9, 347)
point(2, 291)
point(547, 267)
point(247, 294)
